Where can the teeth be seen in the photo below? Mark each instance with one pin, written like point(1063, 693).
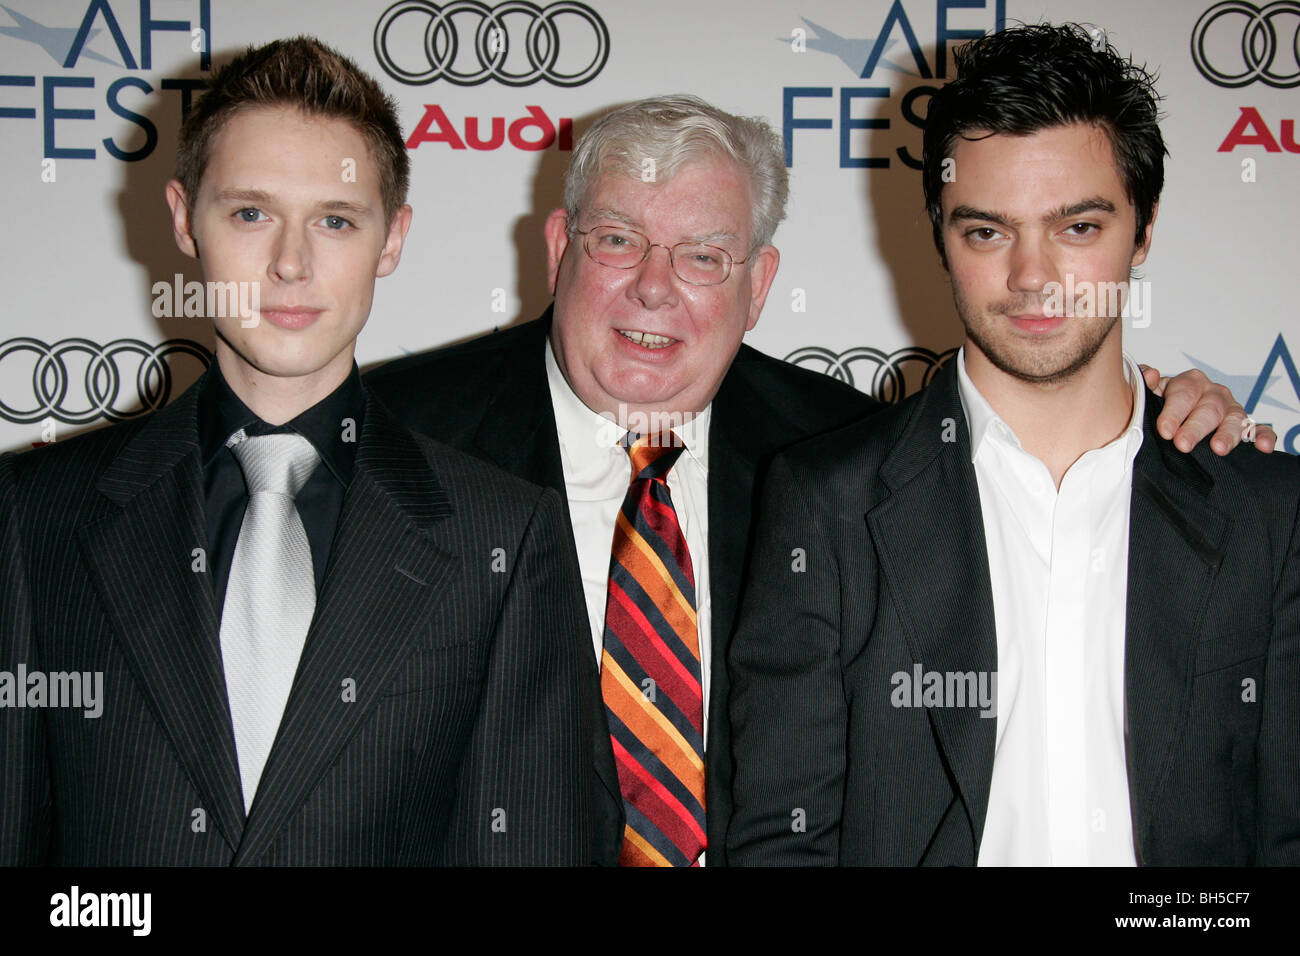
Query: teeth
point(647, 339)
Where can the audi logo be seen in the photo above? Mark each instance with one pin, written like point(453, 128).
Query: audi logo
point(1261, 54)
point(97, 392)
point(493, 41)
point(888, 381)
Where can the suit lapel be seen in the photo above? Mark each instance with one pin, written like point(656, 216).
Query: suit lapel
point(381, 558)
point(734, 453)
point(1175, 549)
point(163, 610)
point(517, 430)
point(943, 593)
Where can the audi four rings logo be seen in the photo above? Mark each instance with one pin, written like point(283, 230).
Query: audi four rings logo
point(98, 393)
point(1267, 48)
point(495, 35)
point(887, 369)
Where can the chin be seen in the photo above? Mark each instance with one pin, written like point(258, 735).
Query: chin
point(284, 366)
point(668, 398)
point(637, 391)
point(1041, 369)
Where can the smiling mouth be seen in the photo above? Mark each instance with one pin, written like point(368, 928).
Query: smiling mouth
point(647, 340)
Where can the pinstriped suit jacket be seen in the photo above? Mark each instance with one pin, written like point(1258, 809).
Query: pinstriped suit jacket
point(440, 712)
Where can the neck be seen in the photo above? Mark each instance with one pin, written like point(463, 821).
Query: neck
point(1058, 422)
point(276, 399)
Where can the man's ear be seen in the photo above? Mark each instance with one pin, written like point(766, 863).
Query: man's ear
point(557, 242)
point(392, 253)
point(180, 207)
point(1140, 253)
point(762, 271)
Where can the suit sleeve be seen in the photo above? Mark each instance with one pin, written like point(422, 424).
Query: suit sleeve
point(788, 709)
point(1279, 747)
point(25, 806)
point(525, 788)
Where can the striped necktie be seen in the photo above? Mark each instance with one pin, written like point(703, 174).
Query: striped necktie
point(650, 668)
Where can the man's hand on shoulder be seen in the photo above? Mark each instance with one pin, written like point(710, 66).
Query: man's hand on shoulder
point(1196, 407)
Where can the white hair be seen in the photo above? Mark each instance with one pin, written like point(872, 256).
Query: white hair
point(673, 131)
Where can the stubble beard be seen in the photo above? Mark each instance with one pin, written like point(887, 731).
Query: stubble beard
point(1038, 366)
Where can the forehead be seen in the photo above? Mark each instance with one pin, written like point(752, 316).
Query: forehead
point(1035, 172)
point(703, 196)
point(270, 146)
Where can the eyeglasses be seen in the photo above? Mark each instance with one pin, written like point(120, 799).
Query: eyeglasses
point(697, 263)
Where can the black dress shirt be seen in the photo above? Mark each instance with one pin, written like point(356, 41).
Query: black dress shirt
point(319, 502)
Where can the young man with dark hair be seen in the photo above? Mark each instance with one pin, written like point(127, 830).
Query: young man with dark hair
point(314, 637)
point(1024, 629)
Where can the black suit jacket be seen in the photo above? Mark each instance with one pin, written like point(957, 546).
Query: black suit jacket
point(440, 709)
point(888, 516)
point(490, 397)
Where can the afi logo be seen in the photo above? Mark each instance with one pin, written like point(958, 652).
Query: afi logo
point(67, 102)
point(1256, 389)
point(892, 60)
point(1279, 353)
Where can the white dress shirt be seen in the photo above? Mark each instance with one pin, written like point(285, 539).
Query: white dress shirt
point(597, 473)
point(1058, 564)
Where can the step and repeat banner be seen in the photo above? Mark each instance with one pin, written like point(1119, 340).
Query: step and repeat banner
point(92, 93)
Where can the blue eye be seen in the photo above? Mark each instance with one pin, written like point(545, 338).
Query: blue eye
point(249, 215)
point(336, 222)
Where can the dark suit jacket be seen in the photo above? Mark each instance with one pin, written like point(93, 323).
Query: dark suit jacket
point(440, 712)
point(490, 397)
point(888, 516)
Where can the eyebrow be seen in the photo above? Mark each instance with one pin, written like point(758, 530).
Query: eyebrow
point(1092, 204)
point(243, 195)
point(261, 197)
point(708, 237)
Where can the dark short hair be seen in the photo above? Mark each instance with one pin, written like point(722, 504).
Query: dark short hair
point(1038, 76)
point(305, 74)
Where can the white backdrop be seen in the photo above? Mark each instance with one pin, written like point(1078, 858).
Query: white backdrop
point(91, 94)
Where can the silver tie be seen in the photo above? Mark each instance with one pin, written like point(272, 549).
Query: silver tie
point(270, 596)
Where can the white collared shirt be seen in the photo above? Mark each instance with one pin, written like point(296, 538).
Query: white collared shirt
point(1058, 565)
point(597, 473)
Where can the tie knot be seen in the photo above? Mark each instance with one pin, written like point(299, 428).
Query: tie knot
point(280, 464)
point(652, 455)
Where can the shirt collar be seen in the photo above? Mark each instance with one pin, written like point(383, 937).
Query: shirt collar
point(585, 434)
point(221, 413)
point(982, 420)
